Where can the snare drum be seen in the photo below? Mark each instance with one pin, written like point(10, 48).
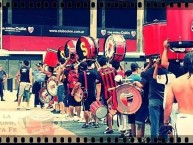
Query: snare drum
point(44, 96)
point(51, 58)
point(86, 48)
point(52, 86)
point(129, 99)
point(70, 48)
point(115, 47)
point(98, 109)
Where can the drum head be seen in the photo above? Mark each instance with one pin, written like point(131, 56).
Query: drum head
point(101, 112)
point(44, 96)
point(70, 47)
point(86, 48)
point(52, 86)
point(60, 53)
point(129, 99)
point(112, 42)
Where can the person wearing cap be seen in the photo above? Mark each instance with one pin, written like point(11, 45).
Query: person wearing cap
point(25, 73)
point(137, 119)
point(3, 78)
point(39, 78)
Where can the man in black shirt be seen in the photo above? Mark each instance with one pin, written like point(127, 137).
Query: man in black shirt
point(156, 95)
point(91, 90)
point(25, 74)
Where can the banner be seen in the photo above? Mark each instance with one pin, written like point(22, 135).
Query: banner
point(127, 33)
point(21, 30)
point(52, 31)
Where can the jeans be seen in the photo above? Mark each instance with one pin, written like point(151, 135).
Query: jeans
point(36, 88)
point(156, 113)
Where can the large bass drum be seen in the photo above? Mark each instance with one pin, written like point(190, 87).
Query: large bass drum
point(86, 48)
point(70, 48)
point(154, 34)
point(115, 47)
point(61, 53)
point(44, 96)
point(52, 86)
point(129, 99)
point(180, 26)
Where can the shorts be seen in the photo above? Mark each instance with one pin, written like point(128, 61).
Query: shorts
point(87, 103)
point(72, 102)
point(140, 116)
point(24, 89)
point(60, 93)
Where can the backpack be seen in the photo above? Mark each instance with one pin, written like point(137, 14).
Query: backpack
point(72, 78)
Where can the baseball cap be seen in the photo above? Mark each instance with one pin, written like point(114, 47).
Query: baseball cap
point(134, 66)
point(39, 64)
point(83, 66)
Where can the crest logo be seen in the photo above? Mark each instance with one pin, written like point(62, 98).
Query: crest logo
point(103, 32)
point(133, 33)
point(30, 29)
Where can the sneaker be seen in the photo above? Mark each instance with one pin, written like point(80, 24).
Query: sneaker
point(56, 112)
point(16, 100)
point(76, 118)
point(35, 106)
point(28, 108)
point(2, 100)
point(53, 111)
point(122, 136)
point(18, 108)
point(96, 125)
point(128, 133)
point(108, 132)
point(85, 126)
point(49, 107)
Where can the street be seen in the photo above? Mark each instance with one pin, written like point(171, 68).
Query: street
point(42, 123)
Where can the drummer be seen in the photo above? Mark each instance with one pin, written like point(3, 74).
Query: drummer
point(140, 116)
point(91, 77)
point(101, 91)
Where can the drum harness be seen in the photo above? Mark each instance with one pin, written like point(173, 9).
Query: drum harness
point(85, 89)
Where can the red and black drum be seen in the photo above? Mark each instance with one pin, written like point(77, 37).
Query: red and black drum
point(70, 48)
point(115, 47)
point(51, 58)
point(180, 26)
point(44, 96)
point(129, 99)
point(154, 34)
point(86, 47)
point(98, 109)
point(153, 37)
point(61, 53)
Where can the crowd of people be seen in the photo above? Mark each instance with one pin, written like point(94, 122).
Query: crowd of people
point(166, 96)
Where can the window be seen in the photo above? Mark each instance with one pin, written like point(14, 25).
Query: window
point(125, 18)
point(33, 14)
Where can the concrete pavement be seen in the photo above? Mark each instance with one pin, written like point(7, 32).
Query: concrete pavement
point(41, 123)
